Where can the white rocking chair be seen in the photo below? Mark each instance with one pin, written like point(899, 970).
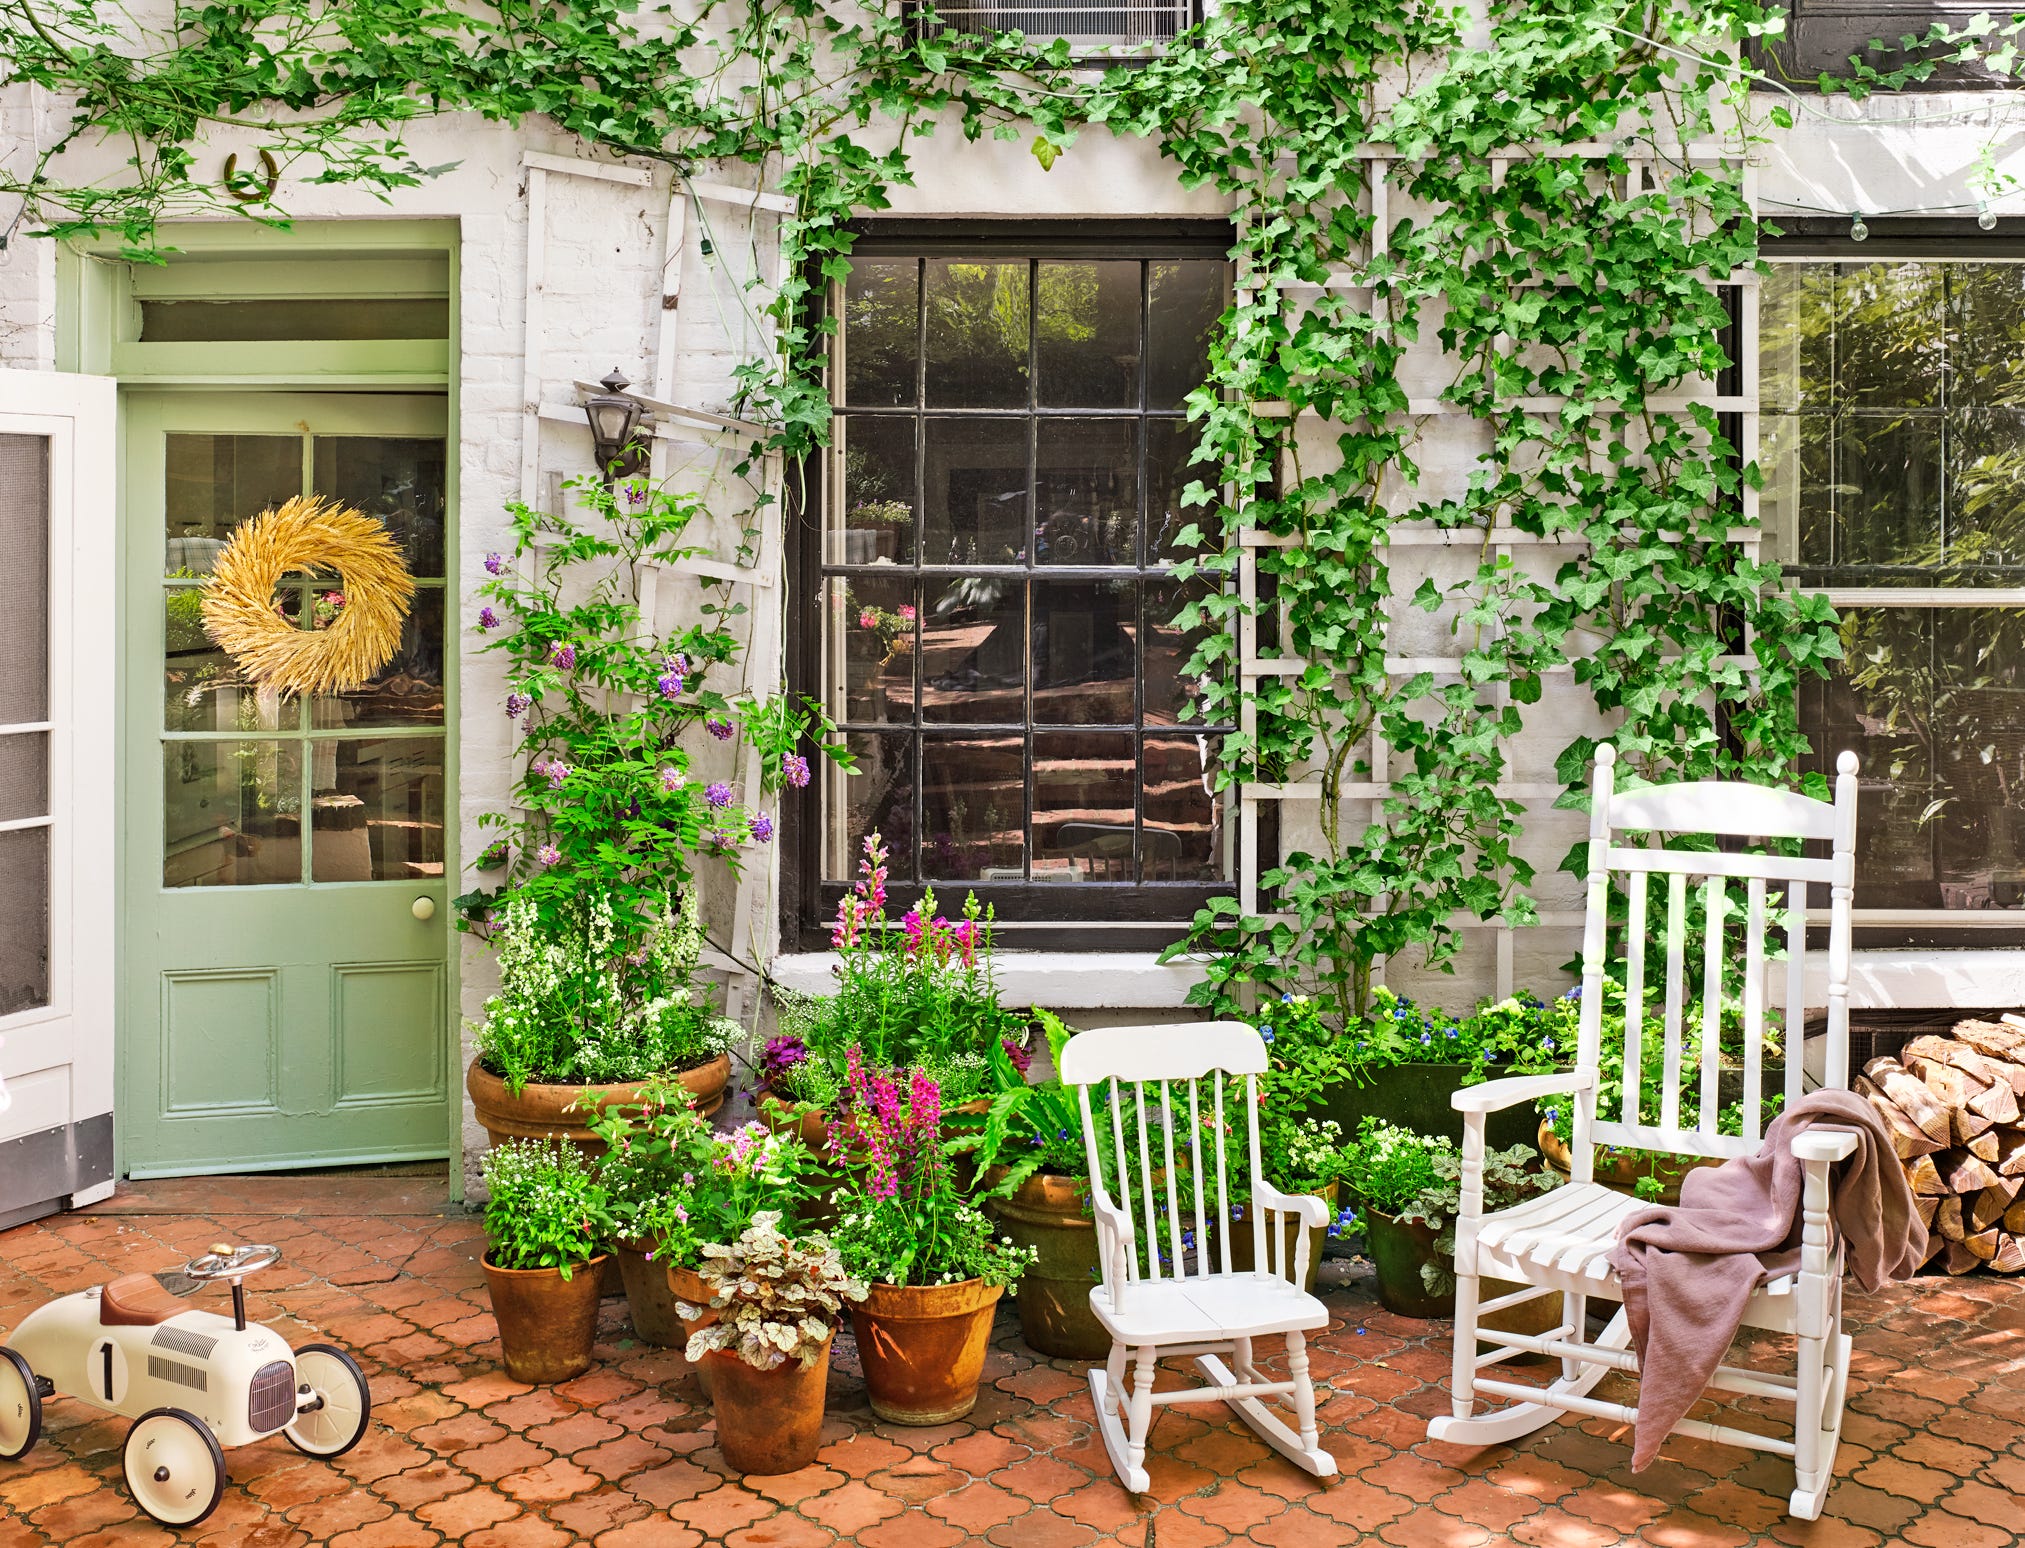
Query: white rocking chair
point(1560, 1242)
point(1214, 1311)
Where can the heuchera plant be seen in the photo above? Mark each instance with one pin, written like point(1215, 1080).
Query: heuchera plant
point(915, 1223)
point(776, 1299)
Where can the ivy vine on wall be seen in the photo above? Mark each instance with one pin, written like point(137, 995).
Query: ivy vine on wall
point(1565, 185)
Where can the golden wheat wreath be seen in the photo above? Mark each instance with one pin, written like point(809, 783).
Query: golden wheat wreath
point(306, 534)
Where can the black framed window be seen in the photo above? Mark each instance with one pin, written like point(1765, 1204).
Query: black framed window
point(1892, 389)
point(989, 611)
point(1822, 36)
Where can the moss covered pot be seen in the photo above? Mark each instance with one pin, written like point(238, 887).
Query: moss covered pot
point(1048, 1212)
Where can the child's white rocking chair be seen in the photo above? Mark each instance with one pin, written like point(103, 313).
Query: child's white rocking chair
point(1214, 1311)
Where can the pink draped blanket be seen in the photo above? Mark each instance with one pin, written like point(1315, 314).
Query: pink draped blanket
point(1689, 1269)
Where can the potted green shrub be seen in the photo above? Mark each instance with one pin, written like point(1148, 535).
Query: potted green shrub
point(546, 1220)
point(675, 1184)
point(776, 1304)
point(1407, 1189)
point(934, 1269)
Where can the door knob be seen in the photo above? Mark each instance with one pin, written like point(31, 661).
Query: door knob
point(423, 908)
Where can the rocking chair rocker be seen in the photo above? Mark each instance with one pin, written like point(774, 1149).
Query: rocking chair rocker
point(1215, 1311)
point(1560, 1242)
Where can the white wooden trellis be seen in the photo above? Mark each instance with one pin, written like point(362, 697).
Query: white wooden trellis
point(765, 576)
point(1641, 157)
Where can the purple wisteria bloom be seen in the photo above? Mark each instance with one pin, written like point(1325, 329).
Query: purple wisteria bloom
point(548, 854)
point(672, 779)
point(669, 683)
point(721, 729)
point(564, 655)
point(718, 842)
point(762, 828)
point(487, 619)
point(495, 564)
point(518, 704)
point(795, 769)
point(718, 793)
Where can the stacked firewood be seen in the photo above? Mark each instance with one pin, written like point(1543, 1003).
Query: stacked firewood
point(1953, 1105)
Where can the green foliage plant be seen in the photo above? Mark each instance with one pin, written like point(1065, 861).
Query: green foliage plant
point(777, 1298)
point(546, 1207)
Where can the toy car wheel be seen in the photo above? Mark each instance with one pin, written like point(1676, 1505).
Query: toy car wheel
point(175, 1471)
point(342, 1403)
point(20, 1406)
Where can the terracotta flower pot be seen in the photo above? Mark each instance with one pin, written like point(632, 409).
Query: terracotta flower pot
point(547, 1324)
point(649, 1296)
point(686, 1285)
point(780, 1117)
point(1046, 1213)
point(1621, 1173)
point(565, 1112)
point(768, 1421)
point(922, 1348)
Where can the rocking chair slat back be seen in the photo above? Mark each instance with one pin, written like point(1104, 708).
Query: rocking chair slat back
point(1109, 1059)
point(1691, 1097)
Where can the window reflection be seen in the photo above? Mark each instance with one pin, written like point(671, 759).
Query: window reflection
point(232, 813)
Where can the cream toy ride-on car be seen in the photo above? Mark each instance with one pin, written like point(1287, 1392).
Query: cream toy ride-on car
point(192, 1381)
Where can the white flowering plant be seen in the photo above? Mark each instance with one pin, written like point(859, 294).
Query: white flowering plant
point(576, 1007)
point(776, 1299)
point(546, 1206)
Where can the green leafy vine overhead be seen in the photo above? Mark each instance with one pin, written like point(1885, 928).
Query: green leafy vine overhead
point(1555, 227)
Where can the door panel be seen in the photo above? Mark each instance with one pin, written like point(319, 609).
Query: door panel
point(57, 809)
point(290, 1002)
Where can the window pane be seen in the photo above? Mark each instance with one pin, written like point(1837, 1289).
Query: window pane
point(1084, 659)
point(378, 808)
point(396, 480)
point(203, 689)
point(217, 481)
point(1184, 301)
point(881, 301)
point(1171, 693)
point(1796, 306)
point(1887, 335)
point(877, 798)
point(1170, 444)
point(24, 920)
point(974, 490)
point(1986, 334)
point(232, 813)
point(408, 690)
point(275, 317)
point(878, 493)
point(972, 667)
point(1086, 492)
point(24, 775)
point(1985, 499)
point(869, 655)
point(973, 809)
point(24, 580)
point(1888, 490)
point(1088, 335)
point(977, 334)
point(1795, 507)
point(1183, 837)
point(1084, 786)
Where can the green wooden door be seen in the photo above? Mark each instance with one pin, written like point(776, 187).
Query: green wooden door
point(286, 916)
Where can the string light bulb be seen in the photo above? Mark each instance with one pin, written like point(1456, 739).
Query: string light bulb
point(1857, 229)
point(1986, 217)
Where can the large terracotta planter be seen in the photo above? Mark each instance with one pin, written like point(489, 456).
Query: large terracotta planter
point(1241, 1256)
point(1047, 1213)
point(1398, 1249)
point(922, 1348)
point(547, 1324)
point(1621, 1173)
point(812, 1127)
point(565, 1112)
point(687, 1286)
point(768, 1421)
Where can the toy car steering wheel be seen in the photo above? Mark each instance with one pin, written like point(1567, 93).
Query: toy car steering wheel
point(225, 1261)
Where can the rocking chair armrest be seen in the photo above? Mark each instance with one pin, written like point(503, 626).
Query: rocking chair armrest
point(1824, 1145)
point(1312, 1210)
point(1108, 1214)
point(1495, 1094)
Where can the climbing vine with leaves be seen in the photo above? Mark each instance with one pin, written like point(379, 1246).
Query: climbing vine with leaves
point(1566, 197)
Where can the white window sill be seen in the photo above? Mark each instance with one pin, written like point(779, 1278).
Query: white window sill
point(1058, 980)
point(1918, 978)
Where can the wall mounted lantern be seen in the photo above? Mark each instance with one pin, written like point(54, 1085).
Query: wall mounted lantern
point(615, 417)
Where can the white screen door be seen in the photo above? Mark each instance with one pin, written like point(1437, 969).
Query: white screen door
point(58, 813)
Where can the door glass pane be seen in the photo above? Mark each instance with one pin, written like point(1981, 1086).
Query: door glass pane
point(397, 480)
point(408, 690)
point(24, 920)
point(232, 813)
point(217, 481)
point(24, 581)
point(378, 808)
point(24, 775)
point(203, 689)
